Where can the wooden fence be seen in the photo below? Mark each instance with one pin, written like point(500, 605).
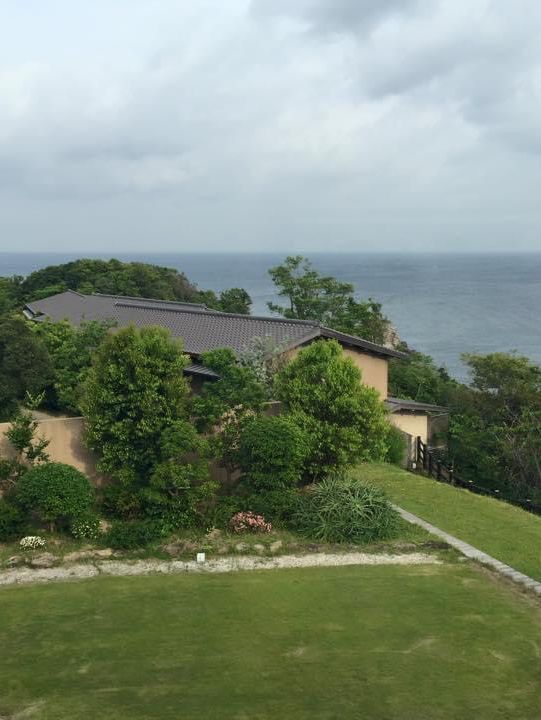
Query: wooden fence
point(429, 461)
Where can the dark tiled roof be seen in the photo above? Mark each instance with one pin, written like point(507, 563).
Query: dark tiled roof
point(405, 405)
point(77, 308)
point(200, 329)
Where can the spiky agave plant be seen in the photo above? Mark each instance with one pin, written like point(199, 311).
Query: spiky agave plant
point(342, 509)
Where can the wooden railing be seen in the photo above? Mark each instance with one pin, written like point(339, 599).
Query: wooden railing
point(430, 462)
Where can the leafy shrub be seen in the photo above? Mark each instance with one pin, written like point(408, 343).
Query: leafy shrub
point(396, 446)
point(344, 510)
point(86, 528)
point(279, 506)
point(32, 542)
point(249, 522)
point(188, 509)
point(345, 420)
point(11, 521)
point(238, 386)
point(130, 535)
point(179, 488)
point(134, 390)
point(224, 507)
point(272, 451)
point(121, 501)
point(55, 493)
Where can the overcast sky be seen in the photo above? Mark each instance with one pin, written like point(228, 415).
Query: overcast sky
point(287, 125)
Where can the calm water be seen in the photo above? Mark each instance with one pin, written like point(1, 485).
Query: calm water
point(441, 304)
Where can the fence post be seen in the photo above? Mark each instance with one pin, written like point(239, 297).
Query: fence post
point(418, 449)
point(452, 474)
point(438, 470)
point(430, 464)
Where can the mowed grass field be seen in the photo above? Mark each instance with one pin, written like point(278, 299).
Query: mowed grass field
point(430, 642)
point(510, 534)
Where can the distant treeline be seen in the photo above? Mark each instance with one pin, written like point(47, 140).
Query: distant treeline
point(116, 278)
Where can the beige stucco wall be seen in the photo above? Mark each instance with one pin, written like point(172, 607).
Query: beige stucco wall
point(66, 444)
point(415, 425)
point(374, 369)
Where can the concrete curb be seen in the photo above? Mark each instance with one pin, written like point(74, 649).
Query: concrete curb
point(473, 553)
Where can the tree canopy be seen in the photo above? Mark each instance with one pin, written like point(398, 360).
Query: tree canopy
point(135, 390)
point(25, 365)
point(417, 377)
point(312, 296)
point(70, 349)
point(495, 429)
point(237, 388)
point(345, 419)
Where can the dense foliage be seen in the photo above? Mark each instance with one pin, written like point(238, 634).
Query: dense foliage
point(125, 535)
point(55, 493)
point(339, 509)
point(135, 390)
point(179, 487)
point(312, 296)
point(272, 452)
point(396, 446)
point(11, 521)
point(238, 387)
point(495, 429)
point(137, 405)
point(346, 420)
point(70, 349)
point(418, 378)
point(25, 365)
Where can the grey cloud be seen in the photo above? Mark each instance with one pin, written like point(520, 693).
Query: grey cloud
point(278, 128)
point(332, 16)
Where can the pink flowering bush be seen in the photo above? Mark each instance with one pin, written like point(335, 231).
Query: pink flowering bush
point(249, 522)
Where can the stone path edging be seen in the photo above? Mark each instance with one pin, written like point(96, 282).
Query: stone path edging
point(472, 552)
point(24, 576)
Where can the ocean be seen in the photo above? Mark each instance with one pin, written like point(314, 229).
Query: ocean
point(441, 304)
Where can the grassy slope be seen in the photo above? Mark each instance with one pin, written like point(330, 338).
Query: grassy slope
point(392, 643)
point(510, 534)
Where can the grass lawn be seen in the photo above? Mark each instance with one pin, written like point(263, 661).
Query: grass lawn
point(510, 534)
point(384, 643)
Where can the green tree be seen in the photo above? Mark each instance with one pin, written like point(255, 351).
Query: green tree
point(265, 357)
point(180, 485)
point(494, 435)
point(312, 296)
point(418, 378)
point(10, 293)
point(29, 447)
point(235, 300)
point(25, 365)
point(238, 388)
point(272, 452)
point(345, 419)
point(55, 493)
point(134, 391)
point(70, 349)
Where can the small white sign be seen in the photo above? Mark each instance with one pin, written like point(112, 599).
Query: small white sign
point(200, 557)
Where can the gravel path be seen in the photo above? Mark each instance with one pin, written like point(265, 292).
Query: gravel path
point(20, 576)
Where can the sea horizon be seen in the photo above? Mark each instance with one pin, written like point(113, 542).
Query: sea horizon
point(441, 303)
